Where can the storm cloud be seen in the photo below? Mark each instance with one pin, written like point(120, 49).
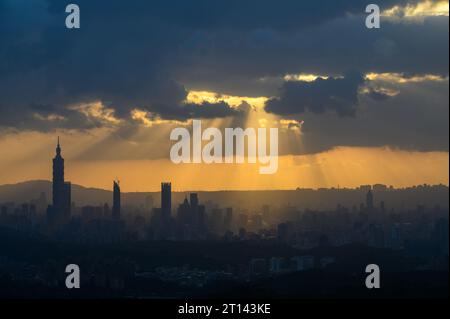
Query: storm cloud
point(339, 95)
point(147, 55)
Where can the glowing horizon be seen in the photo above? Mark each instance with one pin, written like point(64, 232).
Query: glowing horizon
point(345, 167)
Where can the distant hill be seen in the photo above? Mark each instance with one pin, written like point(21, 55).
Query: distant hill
point(29, 190)
point(302, 198)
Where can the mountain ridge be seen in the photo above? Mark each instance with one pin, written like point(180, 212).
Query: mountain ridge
point(303, 199)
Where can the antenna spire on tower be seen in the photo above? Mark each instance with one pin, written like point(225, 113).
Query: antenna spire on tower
point(58, 147)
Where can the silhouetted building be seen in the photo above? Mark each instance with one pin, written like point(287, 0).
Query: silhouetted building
point(228, 218)
point(379, 188)
point(59, 212)
point(191, 217)
point(116, 200)
point(4, 210)
point(194, 200)
point(166, 200)
point(106, 210)
point(161, 221)
point(369, 200)
point(184, 212)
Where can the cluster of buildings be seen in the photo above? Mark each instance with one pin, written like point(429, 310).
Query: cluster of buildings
point(371, 223)
point(421, 233)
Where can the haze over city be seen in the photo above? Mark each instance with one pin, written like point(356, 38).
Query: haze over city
point(353, 97)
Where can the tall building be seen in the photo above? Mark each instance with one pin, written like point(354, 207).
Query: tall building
point(183, 212)
point(166, 200)
point(59, 211)
point(194, 209)
point(228, 218)
point(369, 200)
point(116, 200)
point(194, 200)
point(382, 207)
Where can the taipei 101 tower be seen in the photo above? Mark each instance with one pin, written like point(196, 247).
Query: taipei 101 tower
point(59, 212)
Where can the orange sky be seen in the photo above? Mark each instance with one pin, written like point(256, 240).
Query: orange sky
point(29, 157)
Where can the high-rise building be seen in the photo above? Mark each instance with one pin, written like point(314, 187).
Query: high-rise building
point(4, 211)
point(228, 218)
point(183, 212)
point(116, 200)
point(382, 207)
point(369, 200)
point(166, 200)
point(194, 200)
point(193, 216)
point(60, 210)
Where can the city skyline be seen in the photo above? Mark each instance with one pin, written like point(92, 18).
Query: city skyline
point(218, 157)
point(195, 243)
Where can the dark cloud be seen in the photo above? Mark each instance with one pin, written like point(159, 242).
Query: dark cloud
point(145, 54)
point(200, 111)
point(338, 95)
point(123, 60)
point(415, 119)
point(253, 60)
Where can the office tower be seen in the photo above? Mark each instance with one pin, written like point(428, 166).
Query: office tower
point(257, 221)
point(228, 218)
point(201, 218)
point(60, 210)
point(184, 212)
point(166, 200)
point(369, 200)
point(243, 220)
point(25, 209)
point(116, 200)
point(441, 234)
point(106, 210)
point(193, 216)
point(217, 220)
point(194, 200)
point(58, 177)
point(382, 207)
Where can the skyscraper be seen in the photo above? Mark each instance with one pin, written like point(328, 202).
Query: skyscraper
point(166, 200)
point(116, 200)
point(194, 209)
point(194, 200)
point(369, 200)
point(183, 212)
point(60, 210)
